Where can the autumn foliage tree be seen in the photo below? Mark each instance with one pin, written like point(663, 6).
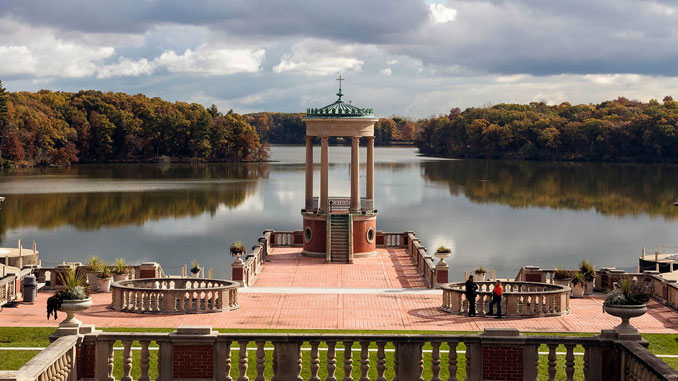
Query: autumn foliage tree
point(617, 130)
point(60, 128)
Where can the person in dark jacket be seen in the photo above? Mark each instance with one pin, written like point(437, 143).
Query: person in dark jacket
point(471, 293)
point(496, 298)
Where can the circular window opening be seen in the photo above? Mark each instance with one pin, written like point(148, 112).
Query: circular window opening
point(308, 234)
point(370, 235)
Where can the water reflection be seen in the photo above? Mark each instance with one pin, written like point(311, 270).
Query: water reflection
point(495, 213)
point(609, 189)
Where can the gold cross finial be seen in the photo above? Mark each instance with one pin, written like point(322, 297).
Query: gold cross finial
point(340, 79)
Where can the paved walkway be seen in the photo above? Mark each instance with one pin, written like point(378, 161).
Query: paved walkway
point(390, 268)
point(348, 297)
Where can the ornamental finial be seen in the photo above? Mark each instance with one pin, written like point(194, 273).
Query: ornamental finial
point(340, 94)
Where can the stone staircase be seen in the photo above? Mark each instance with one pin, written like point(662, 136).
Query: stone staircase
point(339, 238)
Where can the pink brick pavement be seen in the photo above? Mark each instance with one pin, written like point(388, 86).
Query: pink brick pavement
point(383, 311)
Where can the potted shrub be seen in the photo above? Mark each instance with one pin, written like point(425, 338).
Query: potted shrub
point(480, 273)
point(237, 249)
point(578, 282)
point(562, 276)
point(195, 269)
point(442, 253)
point(105, 278)
point(589, 273)
point(72, 298)
point(93, 271)
point(120, 271)
point(626, 302)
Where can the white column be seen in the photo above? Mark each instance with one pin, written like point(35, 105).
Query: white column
point(355, 174)
point(309, 172)
point(370, 168)
point(324, 168)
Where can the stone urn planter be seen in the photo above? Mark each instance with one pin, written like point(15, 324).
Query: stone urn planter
point(562, 282)
point(195, 274)
point(93, 280)
point(588, 287)
point(626, 312)
point(578, 290)
point(120, 277)
point(479, 277)
point(104, 284)
point(443, 253)
point(70, 307)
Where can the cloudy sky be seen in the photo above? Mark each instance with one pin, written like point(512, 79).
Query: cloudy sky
point(408, 57)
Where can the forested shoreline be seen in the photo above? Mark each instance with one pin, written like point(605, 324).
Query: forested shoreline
point(620, 130)
point(62, 128)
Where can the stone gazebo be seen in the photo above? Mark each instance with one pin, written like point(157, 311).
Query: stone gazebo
point(340, 229)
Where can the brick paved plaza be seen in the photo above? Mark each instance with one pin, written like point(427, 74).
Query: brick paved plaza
point(299, 292)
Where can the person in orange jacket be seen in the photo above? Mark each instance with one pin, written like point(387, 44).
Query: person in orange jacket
point(496, 298)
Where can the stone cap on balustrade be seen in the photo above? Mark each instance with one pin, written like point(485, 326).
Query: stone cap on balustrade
point(194, 330)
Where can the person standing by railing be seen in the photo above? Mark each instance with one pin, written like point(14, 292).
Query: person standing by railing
point(496, 298)
point(471, 293)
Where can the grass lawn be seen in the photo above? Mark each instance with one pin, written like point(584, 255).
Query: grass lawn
point(38, 337)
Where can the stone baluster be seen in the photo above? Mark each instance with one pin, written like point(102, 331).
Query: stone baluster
point(435, 361)
point(552, 362)
point(191, 302)
point(144, 361)
point(274, 364)
point(127, 360)
point(364, 360)
point(331, 361)
point(243, 362)
point(111, 360)
point(223, 361)
point(261, 361)
point(381, 361)
point(395, 362)
point(348, 361)
point(587, 352)
point(569, 362)
point(315, 361)
point(452, 361)
point(468, 361)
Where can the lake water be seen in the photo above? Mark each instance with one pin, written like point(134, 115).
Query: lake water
point(503, 214)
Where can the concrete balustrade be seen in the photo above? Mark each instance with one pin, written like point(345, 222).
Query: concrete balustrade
point(526, 299)
point(174, 295)
point(665, 291)
point(8, 289)
point(198, 352)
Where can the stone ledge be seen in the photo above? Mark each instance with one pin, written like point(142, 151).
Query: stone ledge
point(194, 330)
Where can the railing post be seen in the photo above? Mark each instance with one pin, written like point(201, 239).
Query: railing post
point(164, 361)
point(530, 362)
point(288, 360)
point(238, 272)
point(410, 361)
point(104, 349)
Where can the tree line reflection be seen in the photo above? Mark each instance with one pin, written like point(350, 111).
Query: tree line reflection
point(608, 188)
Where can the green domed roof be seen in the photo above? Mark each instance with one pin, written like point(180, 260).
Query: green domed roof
point(340, 109)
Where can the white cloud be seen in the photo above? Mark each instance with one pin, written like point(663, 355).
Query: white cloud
point(208, 61)
point(16, 60)
point(441, 14)
point(126, 67)
point(392, 62)
point(511, 78)
point(315, 58)
point(387, 72)
point(614, 79)
point(39, 52)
